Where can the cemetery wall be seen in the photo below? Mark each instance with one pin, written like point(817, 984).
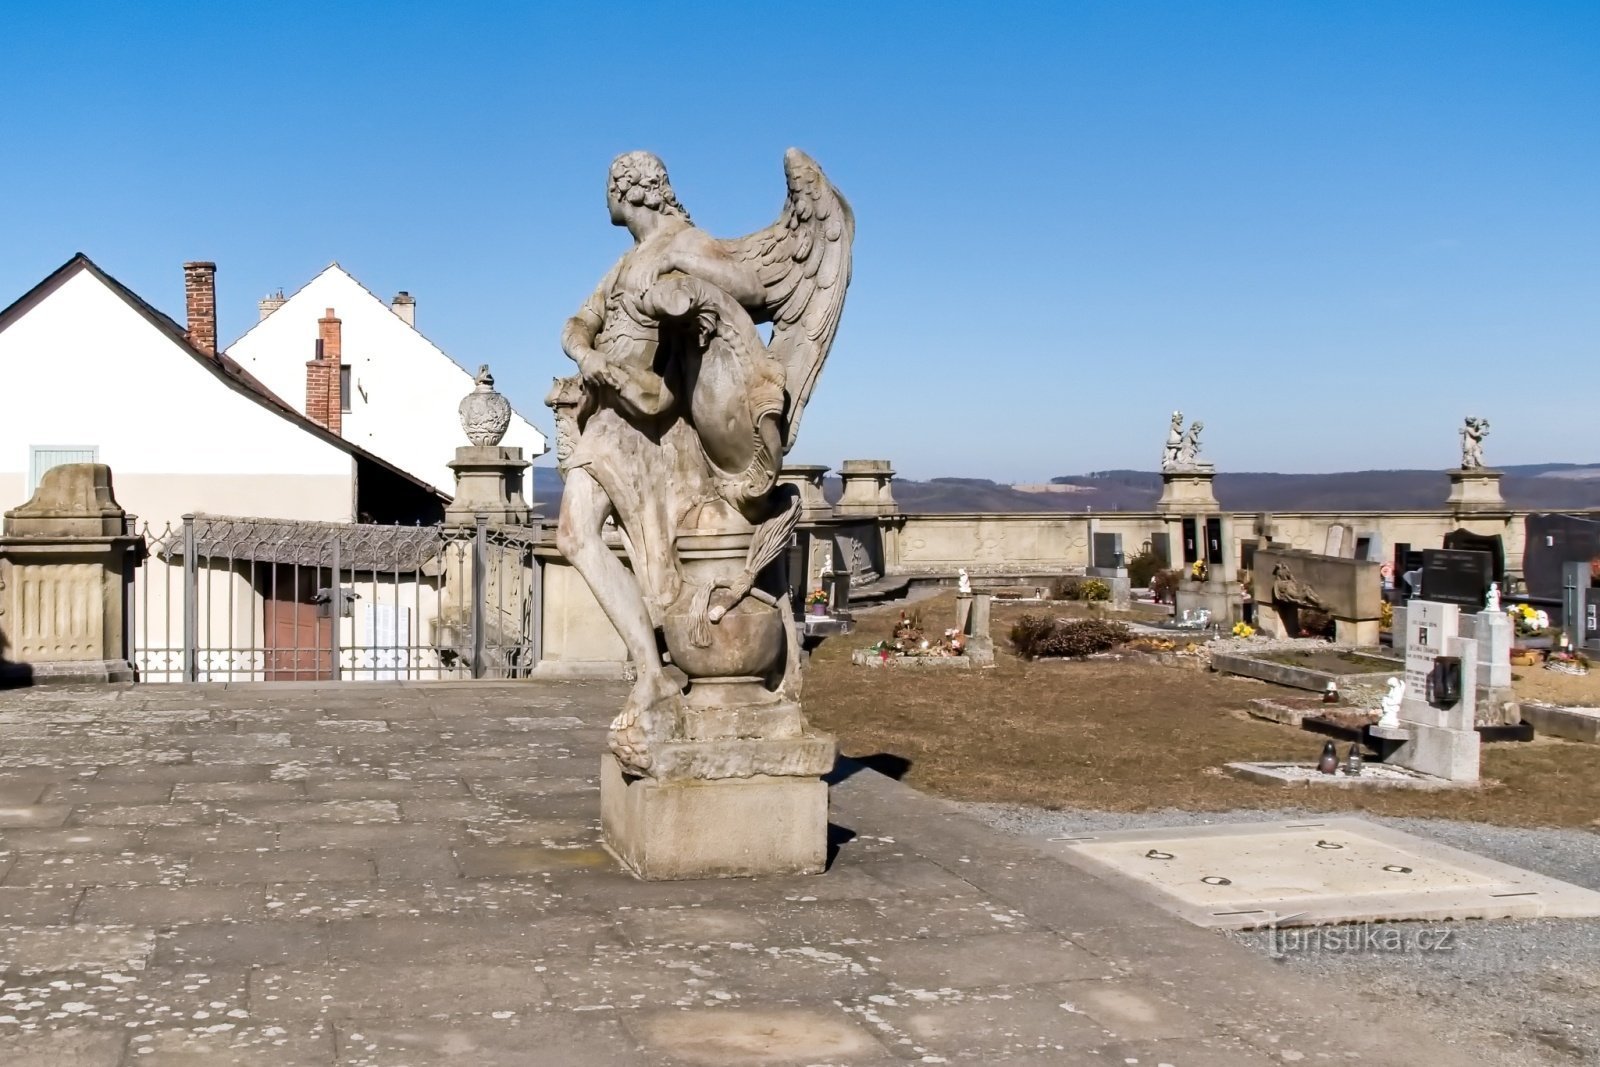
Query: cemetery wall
point(1041, 543)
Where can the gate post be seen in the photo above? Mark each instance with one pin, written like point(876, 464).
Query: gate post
point(191, 604)
point(480, 608)
point(335, 610)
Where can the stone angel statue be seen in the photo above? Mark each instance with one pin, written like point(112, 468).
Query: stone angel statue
point(1171, 454)
point(1472, 434)
point(1189, 450)
point(676, 426)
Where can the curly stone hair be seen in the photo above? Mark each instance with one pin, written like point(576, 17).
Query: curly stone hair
point(641, 178)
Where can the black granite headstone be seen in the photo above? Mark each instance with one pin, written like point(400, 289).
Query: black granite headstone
point(1457, 576)
point(1107, 550)
point(1473, 542)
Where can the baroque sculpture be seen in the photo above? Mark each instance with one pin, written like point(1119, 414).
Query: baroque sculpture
point(1182, 451)
point(1472, 434)
point(675, 426)
point(1170, 455)
point(485, 414)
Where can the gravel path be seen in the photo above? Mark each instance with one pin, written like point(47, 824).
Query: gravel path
point(1533, 985)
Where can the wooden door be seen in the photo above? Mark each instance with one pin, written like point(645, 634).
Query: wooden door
point(297, 636)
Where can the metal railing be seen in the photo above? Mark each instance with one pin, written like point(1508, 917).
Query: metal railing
point(242, 599)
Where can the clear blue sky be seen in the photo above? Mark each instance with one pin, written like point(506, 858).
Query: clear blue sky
point(1327, 229)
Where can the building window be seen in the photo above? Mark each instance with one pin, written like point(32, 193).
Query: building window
point(42, 457)
point(344, 387)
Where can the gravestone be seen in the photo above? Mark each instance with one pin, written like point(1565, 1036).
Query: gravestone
point(1456, 576)
point(1107, 551)
point(1466, 540)
point(1334, 545)
point(1161, 546)
point(1442, 742)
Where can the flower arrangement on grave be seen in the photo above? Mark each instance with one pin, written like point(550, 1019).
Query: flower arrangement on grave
point(911, 640)
point(1567, 661)
point(817, 601)
point(1243, 629)
point(1197, 570)
point(1529, 620)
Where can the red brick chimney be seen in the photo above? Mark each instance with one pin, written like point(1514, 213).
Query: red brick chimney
point(322, 375)
point(200, 300)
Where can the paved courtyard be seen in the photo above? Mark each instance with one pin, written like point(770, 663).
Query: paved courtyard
point(412, 875)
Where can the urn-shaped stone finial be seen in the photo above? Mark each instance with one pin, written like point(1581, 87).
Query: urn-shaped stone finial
point(485, 414)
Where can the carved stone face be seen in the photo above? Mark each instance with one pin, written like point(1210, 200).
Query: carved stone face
point(614, 206)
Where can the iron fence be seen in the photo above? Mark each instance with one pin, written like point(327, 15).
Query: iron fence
point(241, 599)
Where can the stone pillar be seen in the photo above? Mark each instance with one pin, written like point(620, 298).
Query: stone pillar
point(1187, 489)
point(488, 484)
point(867, 489)
point(66, 560)
point(1475, 489)
point(973, 620)
point(807, 478)
point(1494, 634)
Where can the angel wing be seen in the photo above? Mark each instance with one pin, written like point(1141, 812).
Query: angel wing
point(803, 260)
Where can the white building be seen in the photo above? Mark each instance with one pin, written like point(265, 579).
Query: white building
point(399, 392)
point(91, 372)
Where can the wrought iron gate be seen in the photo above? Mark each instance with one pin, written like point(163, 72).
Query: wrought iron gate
point(242, 599)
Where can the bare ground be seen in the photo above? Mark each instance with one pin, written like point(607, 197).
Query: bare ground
point(1129, 735)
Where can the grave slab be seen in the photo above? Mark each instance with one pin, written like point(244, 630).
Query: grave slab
point(1306, 873)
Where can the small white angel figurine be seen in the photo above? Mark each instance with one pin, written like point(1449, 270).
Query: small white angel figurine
point(964, 584)
point(1391, 703)
point(1493, 601)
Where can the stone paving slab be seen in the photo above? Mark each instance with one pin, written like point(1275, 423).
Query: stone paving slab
point(262, 875)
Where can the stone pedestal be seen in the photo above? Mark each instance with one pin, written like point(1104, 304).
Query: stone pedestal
point(488, 482)
point(1224, 600)
point(66, 560)
point(1494, 633)
point(867, 488)
point(807, 478)
point(1187, 489)
point(714, 828)
point(1475, 489)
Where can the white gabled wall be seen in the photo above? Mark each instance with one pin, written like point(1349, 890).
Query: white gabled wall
point(404, 389)
point(83, 367)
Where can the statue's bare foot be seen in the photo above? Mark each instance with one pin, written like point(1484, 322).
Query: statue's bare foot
point(647, 717)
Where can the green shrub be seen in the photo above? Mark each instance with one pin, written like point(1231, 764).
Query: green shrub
point(1034, 636)
point(1093, 589)
point(1142, 568)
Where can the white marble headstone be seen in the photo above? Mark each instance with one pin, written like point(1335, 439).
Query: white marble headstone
point(1429, 628)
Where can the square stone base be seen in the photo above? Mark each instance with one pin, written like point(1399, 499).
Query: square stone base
point(720, 828)
point(1440, 752)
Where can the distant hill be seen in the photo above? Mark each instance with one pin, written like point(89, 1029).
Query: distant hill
point(1538, 487)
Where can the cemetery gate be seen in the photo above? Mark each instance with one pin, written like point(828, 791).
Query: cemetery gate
point(239, 599)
